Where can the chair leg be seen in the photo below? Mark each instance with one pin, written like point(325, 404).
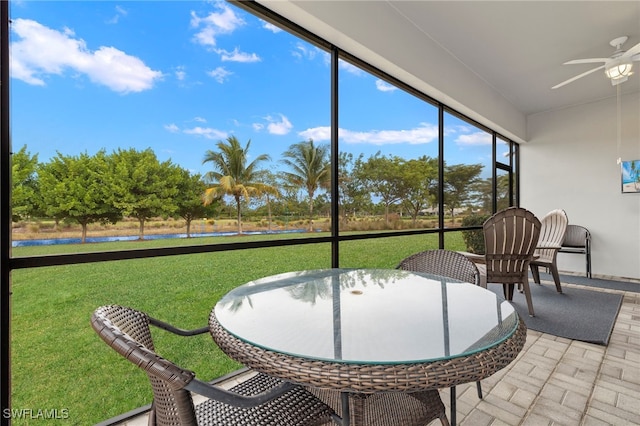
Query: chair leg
point(536, 273)
point(452, 416)
point(556, 277)
point(479, 388)
point(527, 293)
point(444, 421)
point(507, 290)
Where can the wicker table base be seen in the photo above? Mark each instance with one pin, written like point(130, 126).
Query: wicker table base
point(387, 408)
point(372, 378)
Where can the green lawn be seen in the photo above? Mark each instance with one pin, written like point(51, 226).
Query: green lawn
point(58, 362)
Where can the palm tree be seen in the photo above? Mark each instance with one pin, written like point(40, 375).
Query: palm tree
point(232, 175)
point(310, 169)
point(635, 173)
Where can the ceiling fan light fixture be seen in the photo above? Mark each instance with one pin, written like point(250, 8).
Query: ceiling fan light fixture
point(618, 71)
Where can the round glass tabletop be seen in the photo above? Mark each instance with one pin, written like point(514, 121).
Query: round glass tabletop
point(366, 316)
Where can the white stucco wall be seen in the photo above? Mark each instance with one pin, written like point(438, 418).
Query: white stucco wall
point(570, 163)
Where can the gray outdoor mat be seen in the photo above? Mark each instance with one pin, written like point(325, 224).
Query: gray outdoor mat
point(576, 314)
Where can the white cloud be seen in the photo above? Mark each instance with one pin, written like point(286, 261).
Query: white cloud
point(219, 74)
point(271, 27)
point(279, 127)
point(383, 86)
point(237, 56)
point(425, 133)
point(172, 128)
point(225, 21)
point(352, 69)
point(120, 11)
point(180, 73)
point(275, 125)
point(206, 132)
point(322, 133)
point(43, 51)
point(200, 119)
point(302, 51)
point(474, 139)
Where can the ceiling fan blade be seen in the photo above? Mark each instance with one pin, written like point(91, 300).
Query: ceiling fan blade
point(631, 52)
point(578, 76)
point(587, 61)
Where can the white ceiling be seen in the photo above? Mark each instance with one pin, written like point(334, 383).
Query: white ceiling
point(515, 48)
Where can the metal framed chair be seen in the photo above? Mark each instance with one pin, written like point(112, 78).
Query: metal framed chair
point(260, 400)
point(510, 238)
point(552, 233)
point(578, 240)
point(448, 264)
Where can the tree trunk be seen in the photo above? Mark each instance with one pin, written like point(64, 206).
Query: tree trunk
point(188, 228)
point(268, 213)
point(386, 213)
point(310, 214)
point(141, 233)
point(84, 233)
point(239, 216)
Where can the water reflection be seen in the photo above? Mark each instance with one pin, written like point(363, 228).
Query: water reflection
point(366, 315)
point(56, 241)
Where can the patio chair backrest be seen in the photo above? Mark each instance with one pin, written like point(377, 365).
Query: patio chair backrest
point(576, 236)
point(127, 331)
point(552, 233)
point(442, 262)
point(578, 240)
point(510, 238)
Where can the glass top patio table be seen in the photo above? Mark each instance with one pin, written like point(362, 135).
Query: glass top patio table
point(366, 316)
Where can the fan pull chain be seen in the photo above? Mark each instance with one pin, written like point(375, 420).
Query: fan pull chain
point(619, 122)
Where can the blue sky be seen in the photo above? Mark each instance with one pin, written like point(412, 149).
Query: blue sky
point(179, 76)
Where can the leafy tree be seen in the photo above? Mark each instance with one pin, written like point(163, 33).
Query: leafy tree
point(290, 200)
point(421, 176)
point(502, 192)
point(189, 201)
point(24, 185)
point(383, 177)
point(474, 238)
point(232, 175)
point(352, 195)
point(78, 189)
point(143, 187)
point(483, 190)
point(460, 182)
point(269, 192)
point(309, 169)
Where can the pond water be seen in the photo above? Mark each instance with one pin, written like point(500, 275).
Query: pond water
point(54, 241)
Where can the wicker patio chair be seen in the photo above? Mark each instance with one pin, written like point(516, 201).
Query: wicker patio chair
point(448, 264)
point(510, 238)
point(442, 262)
point(578, 240)
point(552, 232)
point(261, 400)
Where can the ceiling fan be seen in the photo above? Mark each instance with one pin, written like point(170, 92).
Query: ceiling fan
point(617, 67)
